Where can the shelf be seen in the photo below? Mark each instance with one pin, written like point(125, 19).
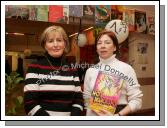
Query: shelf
point(37, 27)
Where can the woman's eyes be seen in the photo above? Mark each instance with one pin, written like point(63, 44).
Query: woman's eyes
point(58, 40)
point(106, 42)
point(98, 42)
point(50, 41)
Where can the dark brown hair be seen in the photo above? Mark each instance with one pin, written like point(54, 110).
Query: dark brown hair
point(112, 36)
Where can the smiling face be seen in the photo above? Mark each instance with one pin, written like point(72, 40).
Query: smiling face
point(55, 44)
point(105, 47)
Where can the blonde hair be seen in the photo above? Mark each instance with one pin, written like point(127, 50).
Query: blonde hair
point(58, 29)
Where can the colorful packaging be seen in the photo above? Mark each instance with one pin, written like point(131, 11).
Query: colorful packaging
point(106, 92)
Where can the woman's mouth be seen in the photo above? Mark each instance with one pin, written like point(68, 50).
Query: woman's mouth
point(103, 52)
point(56, 50)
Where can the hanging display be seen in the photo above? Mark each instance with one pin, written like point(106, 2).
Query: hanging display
point(120, 29)
point(151, 25)
point(140, 21)
point(59, 13)
point(129, 18)
point(17, 11)
point(89, 11)
point(102, 14)
point(76, 10)
point(42, 13)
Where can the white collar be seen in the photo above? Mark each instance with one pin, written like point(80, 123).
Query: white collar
point(108, 60)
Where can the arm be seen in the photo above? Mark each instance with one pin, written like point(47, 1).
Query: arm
point(87, 90)
point(31, 94)
point(134, 95)
point(125, 111)
point(77, 106)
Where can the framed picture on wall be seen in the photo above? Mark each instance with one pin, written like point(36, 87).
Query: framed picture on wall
point(142, 49)
point(140, 21)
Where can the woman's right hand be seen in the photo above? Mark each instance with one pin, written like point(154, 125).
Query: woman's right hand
point(103, 113)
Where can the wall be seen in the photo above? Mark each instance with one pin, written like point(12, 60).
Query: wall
point(139, 60)
point(145, 69)
point(149, 9)
point(146, 78)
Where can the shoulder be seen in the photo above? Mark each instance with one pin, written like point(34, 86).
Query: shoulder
point(124, 67)
point(92, 69)
point(40, 61)
point(38, 64)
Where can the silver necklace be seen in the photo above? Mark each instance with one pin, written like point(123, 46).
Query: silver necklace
point(58, 70)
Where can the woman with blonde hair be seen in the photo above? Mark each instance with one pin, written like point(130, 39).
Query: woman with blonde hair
point(50, 89)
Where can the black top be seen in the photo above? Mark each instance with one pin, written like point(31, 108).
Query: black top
point(51, 89)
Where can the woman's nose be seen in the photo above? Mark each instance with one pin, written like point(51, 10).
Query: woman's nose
point(103, 45)
point(55, 43)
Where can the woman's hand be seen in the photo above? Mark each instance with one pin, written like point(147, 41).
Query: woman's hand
point(116, 114)
point(103, 113)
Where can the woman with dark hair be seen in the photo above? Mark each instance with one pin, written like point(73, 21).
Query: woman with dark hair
point(52, 87)
point(110, 86)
